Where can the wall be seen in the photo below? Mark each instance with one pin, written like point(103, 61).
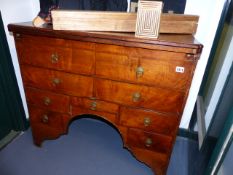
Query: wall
point(14, 11)
point(208, 10)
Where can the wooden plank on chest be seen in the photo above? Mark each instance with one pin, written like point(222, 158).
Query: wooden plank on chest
point(119, 21)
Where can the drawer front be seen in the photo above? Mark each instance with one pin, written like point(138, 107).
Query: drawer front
point(83, 61)
point(148, 120)
point(60, 82)
point(83, 58)
point(151, 67)
point(116, 66)
point(47, 118)
point(169, 74)
point(77, 111)
point(45, 56)
point(150, 141)
point(140, 96)
point(95, 105)
point(76, 60)
point(48, 100)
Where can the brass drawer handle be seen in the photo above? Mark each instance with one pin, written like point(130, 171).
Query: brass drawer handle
point(139, 72)
point(56, 81)
point(45, 118)
point(54, 58)
point(148, 142)
point(93, 105)
point(47, 101)
point(136, 97)
point(147, 121)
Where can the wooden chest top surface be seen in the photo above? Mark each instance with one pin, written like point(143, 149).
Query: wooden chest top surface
point(184, 41)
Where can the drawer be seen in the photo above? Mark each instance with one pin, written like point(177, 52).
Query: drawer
point(116, 66)
point(140, 96)
point(115, 62)
point(171, 74)
point(151, 67)
point(149, 120)
point(95, 105)
point(76, 60)
point(47, 118)
point(83, 61)
point(149, 141)
point(60, 82)
point(48, 100)
point(110, 117)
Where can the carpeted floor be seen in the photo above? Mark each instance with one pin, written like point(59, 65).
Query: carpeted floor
point(90, 148)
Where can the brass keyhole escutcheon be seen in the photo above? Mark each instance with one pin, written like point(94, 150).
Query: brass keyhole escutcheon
point(147, 121)
point(54, 58)
point(47, 101)
point(149, 142)
point(139, 71)
point(45, 118)
point(93, 105)
point(136, 97)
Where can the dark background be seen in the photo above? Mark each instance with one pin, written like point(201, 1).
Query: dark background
point(177, 6)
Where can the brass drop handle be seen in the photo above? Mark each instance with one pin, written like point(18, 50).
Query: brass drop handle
point(47, 101)
point(136, 97)
point(93, 105)
point(147, 121)
point(139, 71)
point(148, 142)
point(56, 81)
point(54, 58)
point(45, 118)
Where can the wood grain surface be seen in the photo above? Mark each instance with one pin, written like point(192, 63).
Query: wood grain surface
point(119, 21)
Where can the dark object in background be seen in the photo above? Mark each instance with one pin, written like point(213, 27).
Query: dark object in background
point(101, 5)
point(177, 6)
point(45, 8)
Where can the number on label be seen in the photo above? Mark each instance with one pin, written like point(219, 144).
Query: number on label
point(179, 69)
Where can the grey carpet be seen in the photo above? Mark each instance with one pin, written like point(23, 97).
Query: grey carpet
point(90, 148)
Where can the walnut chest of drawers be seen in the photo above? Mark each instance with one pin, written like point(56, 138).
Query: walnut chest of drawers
point(138, 86)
